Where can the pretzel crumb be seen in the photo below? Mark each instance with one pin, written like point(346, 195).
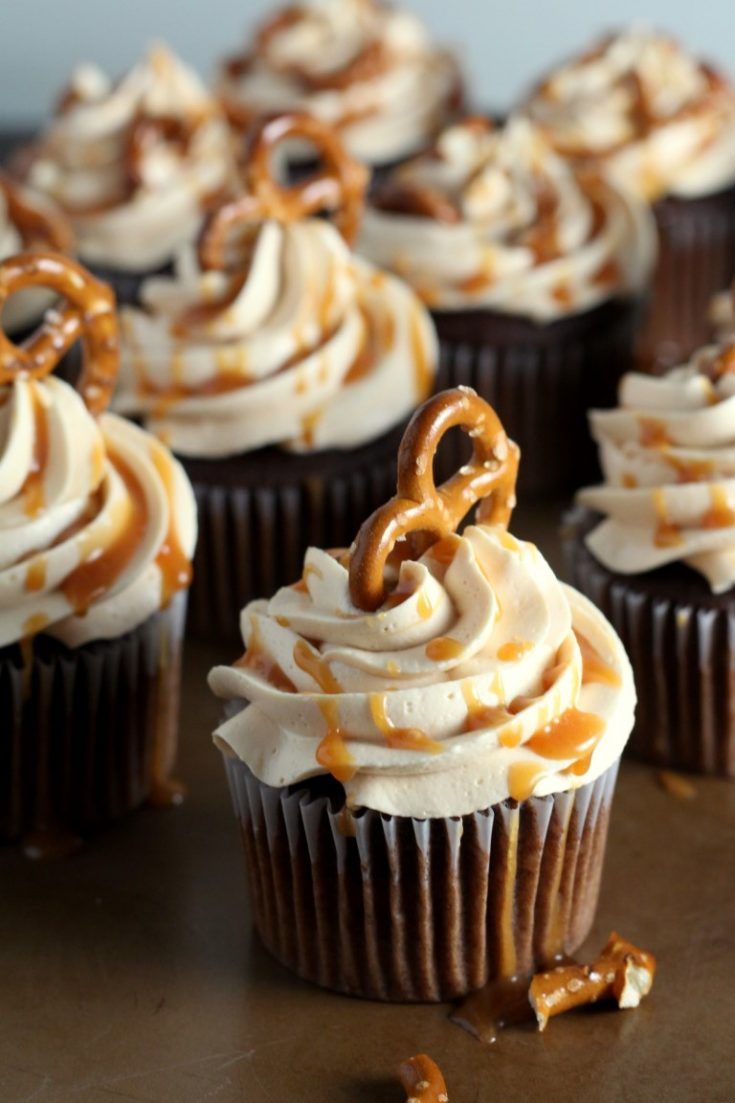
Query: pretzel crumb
point(676, 785)
point(622, 972)
point(422, 1080)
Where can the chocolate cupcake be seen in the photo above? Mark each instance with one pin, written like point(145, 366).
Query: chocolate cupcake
point(134, 165)
point(278, 365)
point(662, 123)
point(722, 313)
point(422, 764)
point(365, 68)
point(654, 548)
point(534, 275)
point(97, 530)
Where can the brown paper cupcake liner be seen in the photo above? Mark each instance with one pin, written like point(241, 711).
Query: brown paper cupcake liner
point(680, 639)
point(541, 380)
point(696, 260)
point(259, 513)
point(392, 908)
point(90, 733)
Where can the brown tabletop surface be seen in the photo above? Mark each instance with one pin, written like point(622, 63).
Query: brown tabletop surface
point(130, 972)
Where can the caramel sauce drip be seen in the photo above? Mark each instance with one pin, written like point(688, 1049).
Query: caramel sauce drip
point(403, 593)
point(172, 561)
point(653, 433)
point(594, 667)
point(480, 715)
point(404, 739)
point(316, 667)
point(35, 578)
point(102, 566)
point(332, 752)
point(500, 1004)
point(512, 650)
point(689, 471)
point(720, 515)
point(32, 489)
point(667, 534)
point(309, 423)
point(443, 649)
point(200, 315)
point(608, 275)
point(257, 659)
point(444, 551)
point(630, 482)
point(164, 398)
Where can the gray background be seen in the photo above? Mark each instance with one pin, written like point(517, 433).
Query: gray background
point(504, 45)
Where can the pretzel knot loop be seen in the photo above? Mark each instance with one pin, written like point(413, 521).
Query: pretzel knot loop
point(87, 313)
point(338, 187)
point(419, 506)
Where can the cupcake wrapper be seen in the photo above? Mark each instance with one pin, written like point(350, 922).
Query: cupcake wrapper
point(541, 380)
point(89, 733)
point(683, 659)
point(696, 260)
point(420, 910)
point(252, 537)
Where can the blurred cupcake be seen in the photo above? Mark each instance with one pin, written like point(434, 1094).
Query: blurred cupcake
point(421, 764)
point(28, 221)
point(368, 69)
point(534, 274)
point(278, 365)
point(134, 165)
point(663, 124)
point(654, 548)
point(722, 314)
point(97, 529)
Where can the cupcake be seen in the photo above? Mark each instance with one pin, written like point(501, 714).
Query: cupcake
point(533, 273)
point(654, 548)
point(663, 124)
point(97, 530)
point(28, 221)
point(134, 165)
point(722, 313)
point(277, 365)
point(422, 740)
point(366, 68)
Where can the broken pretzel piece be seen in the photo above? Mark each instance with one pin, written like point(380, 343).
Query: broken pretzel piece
point(422, 1081)
point(622, 972)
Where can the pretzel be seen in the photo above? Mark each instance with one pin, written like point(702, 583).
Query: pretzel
point(37, 225)
point(88, 313)
point(422, 1080)
point(146, 130)
point(419, 506)
point(338, 187)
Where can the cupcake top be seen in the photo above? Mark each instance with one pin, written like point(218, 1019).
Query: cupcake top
point(28, 221)
point(661, 120)
point(432, 674)
point(97, 520)
point(274, 333)
point(134, 163)
point(493, 218)
point(668, 458)
point(367, 68)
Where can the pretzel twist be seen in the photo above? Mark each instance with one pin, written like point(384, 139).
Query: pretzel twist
point(419, 506)
point(338, 187)
point(87, 313)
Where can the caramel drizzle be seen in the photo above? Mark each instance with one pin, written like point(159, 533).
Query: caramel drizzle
point(404, 739)
point(720, 515)
point(172, 561)
point(32, 490)
point(574, 735)
point(667, 534)
point(594, 667)
point(257, 659)
point(513, 650)
point(443, 649)
point(332, 752)
point(316, 667)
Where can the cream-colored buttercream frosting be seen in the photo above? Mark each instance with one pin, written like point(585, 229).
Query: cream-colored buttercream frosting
point(668, 458)
point(308, 348)
point(97, 520)
point(367, 68)
point(134, 163)
point(662, 121)
point(493, 218)
point(480, 678)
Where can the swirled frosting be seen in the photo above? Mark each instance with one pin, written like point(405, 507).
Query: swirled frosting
point(493, 218)
point(662, 121)
point(134, 163)
point(480, 678)
point(308, 348)
point(668, 457)
point(97, 520)
point(368, 69)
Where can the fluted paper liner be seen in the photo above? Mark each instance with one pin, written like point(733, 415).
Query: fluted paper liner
point(420, 910)
point(696, 260)
point(254, 528)
point(89, 733)
point(541, 380)
point(683, 658)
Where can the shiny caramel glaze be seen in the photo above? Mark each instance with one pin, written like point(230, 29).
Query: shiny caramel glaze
point(406, 739)
point(32, 490)
point(332, 752)
point(419, 506)
point(172, 560)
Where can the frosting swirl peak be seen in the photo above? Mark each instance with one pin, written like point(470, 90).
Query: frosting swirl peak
point(493, 218)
